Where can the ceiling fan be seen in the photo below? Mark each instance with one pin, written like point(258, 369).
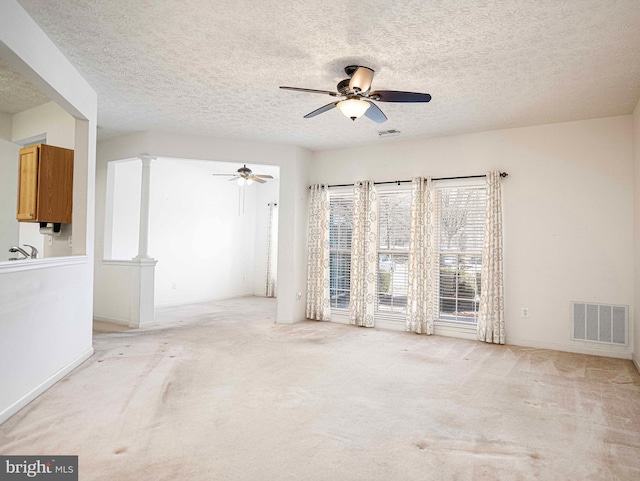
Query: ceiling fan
point(245, 175)
point(358, 97)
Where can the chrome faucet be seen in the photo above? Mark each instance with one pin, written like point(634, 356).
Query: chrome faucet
point(34, 251)
point(21, 251)
point(16, 249)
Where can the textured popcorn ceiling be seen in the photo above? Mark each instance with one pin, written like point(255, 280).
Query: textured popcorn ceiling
point(213, 67)
point(16, 92)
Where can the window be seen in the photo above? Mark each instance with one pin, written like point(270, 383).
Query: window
point(460, 225)
point(460, 219)
point(341, 226)
point(394, 224)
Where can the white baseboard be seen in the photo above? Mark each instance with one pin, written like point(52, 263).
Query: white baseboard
point(636, 361)
point(142, 325)
point(203, 300)
point(461, 332)
point(390, 325)
point(124, 322)
point(288, 322)
point(340, 318)
point(563, 347)
point(34, 393)
point(110, 320)
point(399, 326)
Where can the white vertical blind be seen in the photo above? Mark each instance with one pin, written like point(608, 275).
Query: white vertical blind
point(460, 234)
point(341, 227)
point(394, 224)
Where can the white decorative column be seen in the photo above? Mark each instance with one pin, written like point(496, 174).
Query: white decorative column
point(142, 310)
point(145, 186)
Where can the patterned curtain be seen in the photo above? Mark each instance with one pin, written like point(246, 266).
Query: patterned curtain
point(364, 255)
point(272, 252)
point(318, 306)
point(491, 309)
point(422, 293)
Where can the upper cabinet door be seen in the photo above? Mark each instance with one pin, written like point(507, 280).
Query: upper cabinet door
point(45, 186)
point(55, 184)
point(28, 184)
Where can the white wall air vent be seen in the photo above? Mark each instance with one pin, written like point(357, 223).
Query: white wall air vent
point(603, 323)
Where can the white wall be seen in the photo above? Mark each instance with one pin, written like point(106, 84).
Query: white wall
point(126, 209)
point(8, 188)
point(203, 242)
point(568, 212)
point(635, 315)
point(293, 198)
point(46, 304)
point(48, 120)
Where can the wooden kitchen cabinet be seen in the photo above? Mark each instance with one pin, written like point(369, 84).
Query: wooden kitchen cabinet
point(45, 184)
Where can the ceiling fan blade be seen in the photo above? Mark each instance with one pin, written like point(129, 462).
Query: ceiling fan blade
point(396, 96)
point(258, 180)
point(375, 114)
point(234, 178)
point(264, 176)
point(313, 91)
point(361, 79)
point(226, 175)
point(321, 110)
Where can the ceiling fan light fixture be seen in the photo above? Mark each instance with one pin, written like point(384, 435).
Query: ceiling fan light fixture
point(240, 180)
point(249, 181)
point(353, 108)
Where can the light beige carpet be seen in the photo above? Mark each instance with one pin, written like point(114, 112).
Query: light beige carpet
point(219, 392)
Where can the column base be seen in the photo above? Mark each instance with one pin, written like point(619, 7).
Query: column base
point(142, 308)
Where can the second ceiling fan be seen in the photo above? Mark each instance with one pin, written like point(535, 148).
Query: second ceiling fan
point(244, 175)
point(358, 97)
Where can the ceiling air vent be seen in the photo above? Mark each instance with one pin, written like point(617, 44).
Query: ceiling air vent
point(383, 134)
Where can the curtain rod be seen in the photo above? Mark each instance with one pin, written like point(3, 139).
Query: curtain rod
point(398, 182)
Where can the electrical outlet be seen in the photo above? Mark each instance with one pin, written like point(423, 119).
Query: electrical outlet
point(299, 295)
point(70, 241)
point(173, 285)
point(524, 312)
point(49, 240)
